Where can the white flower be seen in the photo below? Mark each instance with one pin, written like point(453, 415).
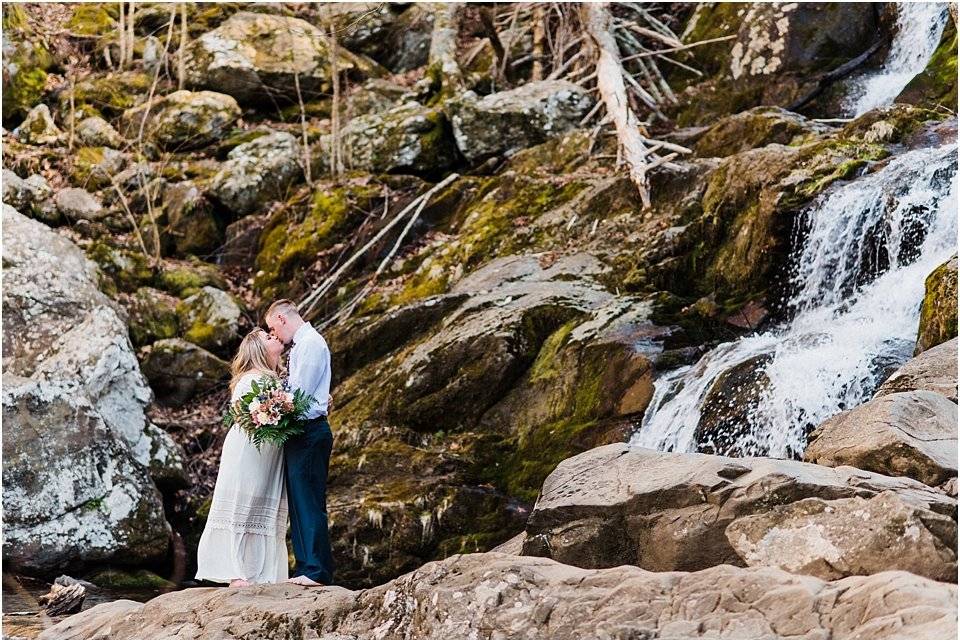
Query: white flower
point(288, 396)
point(254, 405)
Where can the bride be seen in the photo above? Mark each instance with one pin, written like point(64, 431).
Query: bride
point(244, 540)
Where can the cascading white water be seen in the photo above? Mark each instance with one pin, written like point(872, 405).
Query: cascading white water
point(919, 27)
point(859, 279)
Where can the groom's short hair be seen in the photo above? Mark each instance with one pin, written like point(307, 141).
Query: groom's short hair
point(286, 307)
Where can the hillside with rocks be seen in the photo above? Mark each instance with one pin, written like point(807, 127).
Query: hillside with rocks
point(643, 316)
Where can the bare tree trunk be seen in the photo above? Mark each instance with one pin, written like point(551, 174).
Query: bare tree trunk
point(539, 31)
point(307, 160)
point(336, 150)
point(613, 92)
point(181, 63)
point(122, 40)
point(131, 34)
point(443, 47)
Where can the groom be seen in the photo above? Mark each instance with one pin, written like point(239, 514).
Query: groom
point(307, 456)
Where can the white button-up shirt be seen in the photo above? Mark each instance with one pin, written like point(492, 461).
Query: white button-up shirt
point(310, 368)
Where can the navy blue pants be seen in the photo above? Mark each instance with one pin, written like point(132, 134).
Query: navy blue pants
point(307, 459)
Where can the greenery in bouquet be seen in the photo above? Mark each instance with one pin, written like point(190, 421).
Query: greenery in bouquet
point(269, 412)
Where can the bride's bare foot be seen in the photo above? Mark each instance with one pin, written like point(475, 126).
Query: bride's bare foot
point(304, 581)
point(240, 582)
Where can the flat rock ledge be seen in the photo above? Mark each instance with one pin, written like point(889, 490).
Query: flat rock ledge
point(492, 595)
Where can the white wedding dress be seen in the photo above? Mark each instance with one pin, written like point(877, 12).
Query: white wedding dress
point(245, 534)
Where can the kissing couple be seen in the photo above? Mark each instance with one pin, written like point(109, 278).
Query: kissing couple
point(244, 541)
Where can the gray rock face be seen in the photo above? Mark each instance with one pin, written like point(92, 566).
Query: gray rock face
point(73, 492)
point(505, 122)
point(256, 172)
point(254, 55)
point(913, 434)
point(933, 370)
point(63, 336)
point(79, 204)
point(183, 119)
point(668, 511)
point(39, 128)
point(833, 539)
point(178, 370)
point(492, 595)
point(97, 132)
point(409, 138)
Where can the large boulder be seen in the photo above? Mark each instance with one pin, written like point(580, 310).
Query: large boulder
point(668, 511)
point(502, 596)
point(152, 316)
point(833, 539)
point(938, 315)
point(913, 434)
point(775, 56)
point(183, 119)
point(211, 319)
point(505, 122)
point(95, 167)
point(256, 172)
point(256, 56)
point(60, 329)
point(179, 370)
point(73, 494)
point(409, 138)
point(933, 370)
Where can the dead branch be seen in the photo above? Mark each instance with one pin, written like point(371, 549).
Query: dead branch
point(613, 92)
point(443, 47)
point(308, 304)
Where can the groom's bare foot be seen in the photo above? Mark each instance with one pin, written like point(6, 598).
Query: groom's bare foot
point(304, 581)
point(240, 582)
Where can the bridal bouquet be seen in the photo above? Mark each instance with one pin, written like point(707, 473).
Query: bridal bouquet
point(269, 412)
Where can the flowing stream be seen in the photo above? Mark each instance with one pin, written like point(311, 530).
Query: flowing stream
point(858, 279)
point(919, 27)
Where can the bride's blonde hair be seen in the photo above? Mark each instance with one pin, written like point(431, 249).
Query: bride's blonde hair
point(251, 356)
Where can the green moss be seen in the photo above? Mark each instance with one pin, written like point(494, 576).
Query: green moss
point(486, 229)
point(110, 94)
point(29, 56)
point(528, 458)
point(183, 279)
point(94, 19)
point(140, 579)
point(546, 365)
point(288, 247)
point(938, 312)
point(120, 269)
point(936, 85)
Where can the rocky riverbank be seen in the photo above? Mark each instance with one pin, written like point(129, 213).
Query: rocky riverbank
point(495, 348)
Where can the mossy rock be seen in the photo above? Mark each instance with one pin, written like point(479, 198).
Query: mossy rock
point(179, 370)
point(210, 318)
point(153, 316)
point(93, 167)
point(936, 85)
point(141, 579)
point(757, 127)
point(893, 124)
point(288, 247)
point(94, 19)
point(25, 64)
point(110, 94)
point(121, 269)
point(185, 278)
point(189, 225)
point(938, 313)
point(183, 119)
point(485, 225)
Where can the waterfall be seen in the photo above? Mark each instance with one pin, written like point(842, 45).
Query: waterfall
point(919, 27)
point(858, 278)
